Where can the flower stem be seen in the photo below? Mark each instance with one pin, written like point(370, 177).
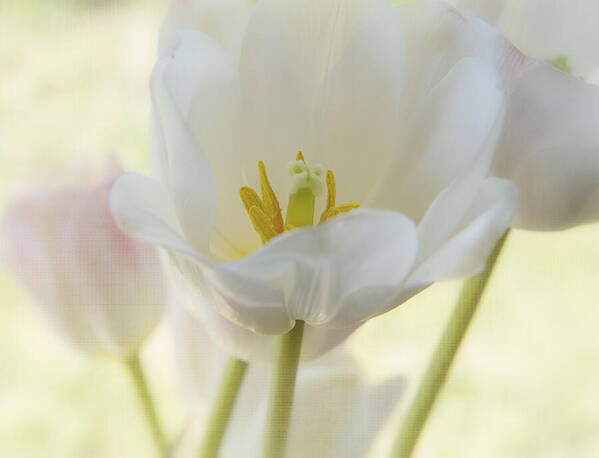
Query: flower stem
point(281, 392)
point(437, 371)
point(133, 365)
point(232, 378)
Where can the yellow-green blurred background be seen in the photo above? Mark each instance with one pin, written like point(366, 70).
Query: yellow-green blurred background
point(73, 81)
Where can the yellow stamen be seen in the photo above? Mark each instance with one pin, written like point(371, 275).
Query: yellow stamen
point(332, 210)
point(262, 224)
point(269, 198)
point(250, 199)
point(331, 189)
point(265, 211)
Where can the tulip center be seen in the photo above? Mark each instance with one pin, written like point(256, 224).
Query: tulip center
point(306, 184)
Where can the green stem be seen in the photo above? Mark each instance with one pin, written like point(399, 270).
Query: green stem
point(232, 378)
point(133, 365)
point(281, 392)
point(437, 371)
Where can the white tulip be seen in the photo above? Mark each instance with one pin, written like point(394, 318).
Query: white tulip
point(354, 414)
point(406, 104)
point(99, 288)
point(550, 142)
point(409, 129)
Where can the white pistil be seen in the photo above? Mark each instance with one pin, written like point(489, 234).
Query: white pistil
point(306, 176)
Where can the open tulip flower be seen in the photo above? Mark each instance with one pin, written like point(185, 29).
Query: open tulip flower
point(422, 131)
point(99, 288)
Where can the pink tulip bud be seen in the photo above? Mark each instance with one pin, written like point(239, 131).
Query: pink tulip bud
point(100, 288)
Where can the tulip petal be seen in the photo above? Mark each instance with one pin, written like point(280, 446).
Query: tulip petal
point(251, 346)
point(457, 121)
point(192, 183)
point(449, 208)
point(194, 313)
point(330, 71)
point(157, 151)
point(142, 209)
point(199, 364)
point(436, 38)
point(489, 10)
point(263, 305)
point(550, 148)
point(337, 274)
point(223, 20)
point(252, 303)
point(203, 80)
point(33, 226)
point(465, 253)
point(88, 279)
point(360, 107)
point(559, 188)
point(99, 260)
point(355, 412)
point(545, 29)
point(375, 404)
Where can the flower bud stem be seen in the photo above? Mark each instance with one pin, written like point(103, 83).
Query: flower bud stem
point(232, 378)
point(436, 373)
point(282, 388)
point(133, 365)
point(300, 212)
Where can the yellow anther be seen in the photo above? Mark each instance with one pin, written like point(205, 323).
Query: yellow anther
point(262, 224)
point(270, 201)
point(332, 210)
point(331, 189)
point(265, 211)
point(250, 199)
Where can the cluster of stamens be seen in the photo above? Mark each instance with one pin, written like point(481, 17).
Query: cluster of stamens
point(265, 212)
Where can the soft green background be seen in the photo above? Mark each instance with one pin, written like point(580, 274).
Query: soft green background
point(73, 81)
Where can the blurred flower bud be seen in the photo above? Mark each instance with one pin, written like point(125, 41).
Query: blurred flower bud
point(98, 287)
